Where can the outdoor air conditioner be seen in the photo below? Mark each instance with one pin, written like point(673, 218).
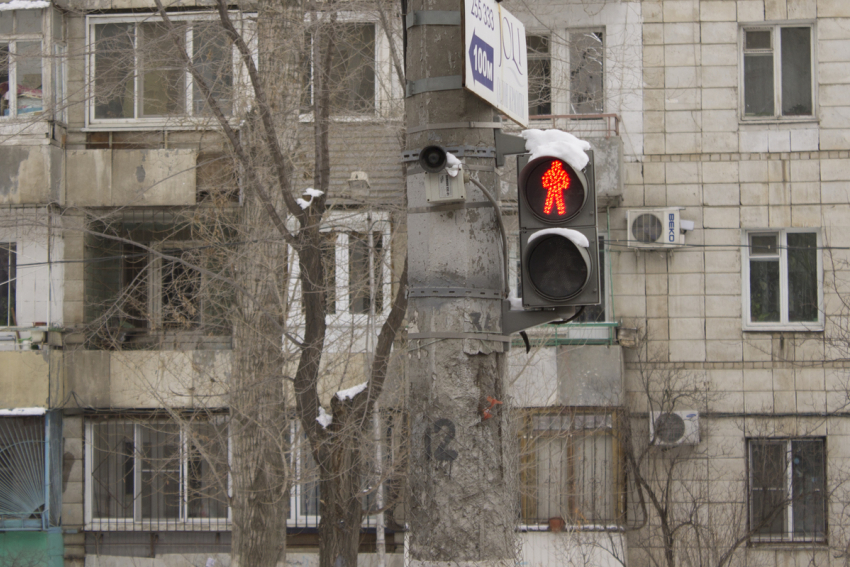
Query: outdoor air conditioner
point(654, 228)
point(673, 428)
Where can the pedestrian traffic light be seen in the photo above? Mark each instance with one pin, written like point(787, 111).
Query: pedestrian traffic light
point(558, 241)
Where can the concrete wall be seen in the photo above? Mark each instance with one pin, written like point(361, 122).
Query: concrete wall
point(573, 549)
point(24, 379)
point(148, 379)
point(30, 175)
point(130, 177)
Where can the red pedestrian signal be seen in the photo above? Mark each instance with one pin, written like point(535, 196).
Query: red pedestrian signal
point(558, 237)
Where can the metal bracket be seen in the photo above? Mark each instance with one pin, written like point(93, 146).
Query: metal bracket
point(449, 207)
point(507, 144)
point(459, 151)
point(432, 18)
point(454, 292)
point(432, 84)
point(515, 321)
point(478, 336)
point(453, 125)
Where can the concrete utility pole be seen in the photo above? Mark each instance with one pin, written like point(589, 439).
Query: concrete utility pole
point(462, 492)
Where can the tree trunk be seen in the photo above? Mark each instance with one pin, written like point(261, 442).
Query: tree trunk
point(340, 470)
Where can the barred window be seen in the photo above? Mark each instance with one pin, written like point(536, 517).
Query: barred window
point(570, 469)
point(787, 484)
point(157, 474)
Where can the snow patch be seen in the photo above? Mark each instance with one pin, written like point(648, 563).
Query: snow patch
point(313, 193)
point(22, 411)
point(516, 302)
point(324, 418)
point(575, 236)
point(557, 144)
point(454, 165)
point(23, 5)
point(351, 392)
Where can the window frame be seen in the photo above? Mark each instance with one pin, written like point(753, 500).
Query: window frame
point(137, 522)
point(389, 94)
point(11, 249)
point(343, 224)
point(783, 324)
point(788, 533)
point(188, 120)
point(53, 68)
point(776, 50)
point(529, 463)
point(560, 70)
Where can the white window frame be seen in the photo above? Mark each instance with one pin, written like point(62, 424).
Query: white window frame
point(344, 223)
point(52, 68)
point(783, 324)
point(137, 523)
point(188, 120)
point(776, 49)
point(389, 95)
point(788, 533)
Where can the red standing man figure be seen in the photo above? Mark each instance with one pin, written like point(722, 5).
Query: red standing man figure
point(555, 181)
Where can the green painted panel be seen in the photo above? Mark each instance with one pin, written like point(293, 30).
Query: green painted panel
point(31, 549)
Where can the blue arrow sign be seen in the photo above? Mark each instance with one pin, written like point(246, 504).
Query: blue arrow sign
point(481, 61)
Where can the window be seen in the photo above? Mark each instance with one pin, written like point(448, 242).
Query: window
point(583, 57)
point(569, 469)
point(133, 295)
point(787, 483)
point(138, 73)
point(30, 449)
point(365, 285)
point(157, 474)
point(8, 283)
point(783, 286)
point(777, 72)
point(352, 74)
point(21, 81)
point(586, 67)
point(539, 75)
point(351, 254)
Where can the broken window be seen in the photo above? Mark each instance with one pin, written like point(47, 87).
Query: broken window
point(157, 474)
point(587, 52)
point(155, 285)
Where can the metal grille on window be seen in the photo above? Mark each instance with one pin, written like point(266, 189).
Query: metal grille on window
point(569, 470)
point(158, 475)
point(30, 472)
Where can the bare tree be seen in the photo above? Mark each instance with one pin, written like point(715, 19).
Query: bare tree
point(261, 269)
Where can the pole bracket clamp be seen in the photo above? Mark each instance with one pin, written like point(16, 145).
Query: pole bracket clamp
point(432, 18)
point(455, 292)
point(432, 84)
point(445, 335)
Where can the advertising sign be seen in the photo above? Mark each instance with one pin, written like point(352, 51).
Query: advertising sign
point(495, 59)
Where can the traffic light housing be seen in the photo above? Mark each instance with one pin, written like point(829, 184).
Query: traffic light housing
point(557, 270)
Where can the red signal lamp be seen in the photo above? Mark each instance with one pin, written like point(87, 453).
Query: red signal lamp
point(552, 189)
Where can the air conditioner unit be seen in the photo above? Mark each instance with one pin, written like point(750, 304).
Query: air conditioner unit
point(674, 428)
point(654, 228)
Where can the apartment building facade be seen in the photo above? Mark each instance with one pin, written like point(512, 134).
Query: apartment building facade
point(727, 114)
